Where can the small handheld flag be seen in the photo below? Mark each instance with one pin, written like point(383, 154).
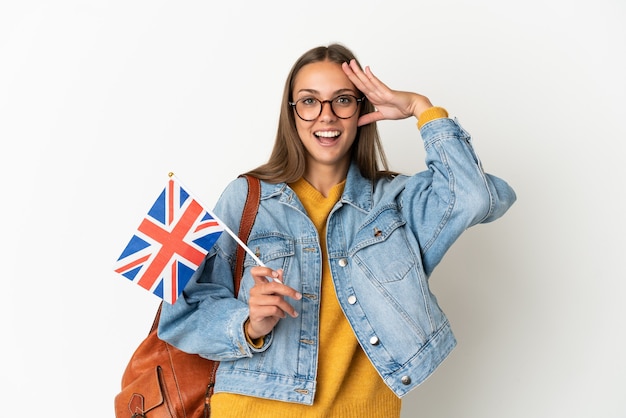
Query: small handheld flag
point(171, 242)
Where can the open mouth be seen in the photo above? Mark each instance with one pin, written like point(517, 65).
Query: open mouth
point(327, 136)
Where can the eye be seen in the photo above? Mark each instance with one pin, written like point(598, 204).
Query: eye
point(308, 101)
point(344, 100)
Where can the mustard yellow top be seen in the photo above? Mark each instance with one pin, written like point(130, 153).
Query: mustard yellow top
point(432, 113)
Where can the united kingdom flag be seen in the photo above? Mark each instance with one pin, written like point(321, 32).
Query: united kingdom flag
point(170, 243)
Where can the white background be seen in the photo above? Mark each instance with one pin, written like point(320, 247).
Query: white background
point(99, 100)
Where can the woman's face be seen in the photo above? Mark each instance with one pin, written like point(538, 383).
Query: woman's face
point(327, 138)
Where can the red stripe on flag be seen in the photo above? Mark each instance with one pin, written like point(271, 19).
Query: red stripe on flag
point(170, 202)
point(206, 225)
point(174, 283)
point(131, 265)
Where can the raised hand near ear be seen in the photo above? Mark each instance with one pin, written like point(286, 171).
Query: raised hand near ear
point(390, 104)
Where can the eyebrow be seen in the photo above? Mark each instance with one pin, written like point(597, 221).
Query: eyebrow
point(335, 94)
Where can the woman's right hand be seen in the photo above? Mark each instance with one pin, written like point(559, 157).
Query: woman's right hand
point(389, 104)
point(267, 303)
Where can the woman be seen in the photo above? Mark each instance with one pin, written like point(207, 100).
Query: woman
point(340, 322)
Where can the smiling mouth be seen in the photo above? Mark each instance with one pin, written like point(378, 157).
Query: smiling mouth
point(327, 134)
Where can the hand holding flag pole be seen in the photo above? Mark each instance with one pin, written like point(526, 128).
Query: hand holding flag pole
point(171, 242)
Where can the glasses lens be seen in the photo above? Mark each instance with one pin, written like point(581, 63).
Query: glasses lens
point(309, 108)
point(344, 106)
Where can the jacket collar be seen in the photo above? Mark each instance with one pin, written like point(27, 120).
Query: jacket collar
point(357, 192)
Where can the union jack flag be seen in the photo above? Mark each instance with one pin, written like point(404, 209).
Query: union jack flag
point(169, 244)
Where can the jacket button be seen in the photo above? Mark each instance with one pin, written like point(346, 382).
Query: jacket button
point(343, 262)
point(351, 299)
point(374, 340)
point(406, 380)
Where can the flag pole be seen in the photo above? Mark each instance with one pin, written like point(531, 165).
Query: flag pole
point(226, 228)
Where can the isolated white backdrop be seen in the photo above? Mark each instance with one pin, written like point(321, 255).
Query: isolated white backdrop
point(99, 100)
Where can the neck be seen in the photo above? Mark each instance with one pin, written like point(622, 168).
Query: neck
point(324, 178)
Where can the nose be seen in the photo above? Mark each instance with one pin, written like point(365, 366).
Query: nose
point(327, 111)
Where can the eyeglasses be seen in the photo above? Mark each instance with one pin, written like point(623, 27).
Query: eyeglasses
point(344, 107)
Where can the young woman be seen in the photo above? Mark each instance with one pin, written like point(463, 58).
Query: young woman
point(341, 321)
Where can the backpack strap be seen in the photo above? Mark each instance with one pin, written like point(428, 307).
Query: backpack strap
point(247, 221)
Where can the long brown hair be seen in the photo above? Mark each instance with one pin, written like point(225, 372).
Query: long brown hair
point(288, 158)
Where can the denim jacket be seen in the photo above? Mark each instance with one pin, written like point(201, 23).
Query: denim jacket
point(384, 239)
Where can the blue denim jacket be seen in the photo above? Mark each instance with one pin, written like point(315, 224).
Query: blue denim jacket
point(384, 239)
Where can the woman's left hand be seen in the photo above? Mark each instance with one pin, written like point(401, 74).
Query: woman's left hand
point(390, 104)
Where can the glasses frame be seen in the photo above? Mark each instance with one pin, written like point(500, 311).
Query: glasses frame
point(330, 102)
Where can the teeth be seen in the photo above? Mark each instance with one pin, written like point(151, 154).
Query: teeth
point(328, 134)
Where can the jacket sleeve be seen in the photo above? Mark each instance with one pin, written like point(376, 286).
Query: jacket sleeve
point(453, 194)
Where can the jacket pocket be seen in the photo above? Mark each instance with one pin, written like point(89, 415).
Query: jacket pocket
point(382, 249)
point(270, 248)
point(274, 249)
